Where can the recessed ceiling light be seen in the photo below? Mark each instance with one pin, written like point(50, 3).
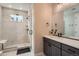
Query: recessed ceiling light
point(10, 6)
point(21, 8)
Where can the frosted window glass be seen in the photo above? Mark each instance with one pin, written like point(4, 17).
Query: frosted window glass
point(16, 18)
point(20, 18)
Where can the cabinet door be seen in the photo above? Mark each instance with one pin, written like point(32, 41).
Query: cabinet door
point(66, 54)
point(51, 48)
point(47, 49)
point(70, 50)
point(56, 51)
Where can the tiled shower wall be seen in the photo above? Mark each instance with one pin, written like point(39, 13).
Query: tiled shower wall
point(14, 32)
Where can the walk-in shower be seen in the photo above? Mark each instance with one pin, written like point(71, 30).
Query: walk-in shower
point(15, 28)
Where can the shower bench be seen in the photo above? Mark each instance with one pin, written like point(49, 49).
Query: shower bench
point(19, 48)
point(2, 42)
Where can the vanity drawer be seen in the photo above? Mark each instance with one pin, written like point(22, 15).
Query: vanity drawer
point(71, 50)
point(55, 43)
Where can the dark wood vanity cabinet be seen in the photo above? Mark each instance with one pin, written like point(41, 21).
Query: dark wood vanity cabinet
point(69, 51)
point(53, 48)
point(55, 51)
point(47, 49)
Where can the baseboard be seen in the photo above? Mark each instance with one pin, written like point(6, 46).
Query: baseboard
point(39, 54)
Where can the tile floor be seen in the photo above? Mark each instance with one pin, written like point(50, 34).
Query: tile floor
point(14, 53)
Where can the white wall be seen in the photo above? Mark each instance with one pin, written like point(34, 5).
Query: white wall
point(46, 13)
point(43, 14)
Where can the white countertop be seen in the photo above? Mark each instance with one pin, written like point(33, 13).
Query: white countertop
point(73, 43)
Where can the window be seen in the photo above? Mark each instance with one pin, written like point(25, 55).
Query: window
point(16, 18)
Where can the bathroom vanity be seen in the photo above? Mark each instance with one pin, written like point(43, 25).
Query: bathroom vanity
point(68, 44)
point(59, 46)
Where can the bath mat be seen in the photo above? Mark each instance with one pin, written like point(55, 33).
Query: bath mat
point(23, 50)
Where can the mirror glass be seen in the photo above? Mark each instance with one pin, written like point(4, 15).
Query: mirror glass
point(71, 22)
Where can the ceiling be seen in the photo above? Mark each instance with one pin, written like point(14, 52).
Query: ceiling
point(19, 6)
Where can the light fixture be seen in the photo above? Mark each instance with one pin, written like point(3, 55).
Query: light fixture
point(10, 6)
point(21, 8)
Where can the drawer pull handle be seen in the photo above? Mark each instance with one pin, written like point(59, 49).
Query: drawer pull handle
point(71, 50)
